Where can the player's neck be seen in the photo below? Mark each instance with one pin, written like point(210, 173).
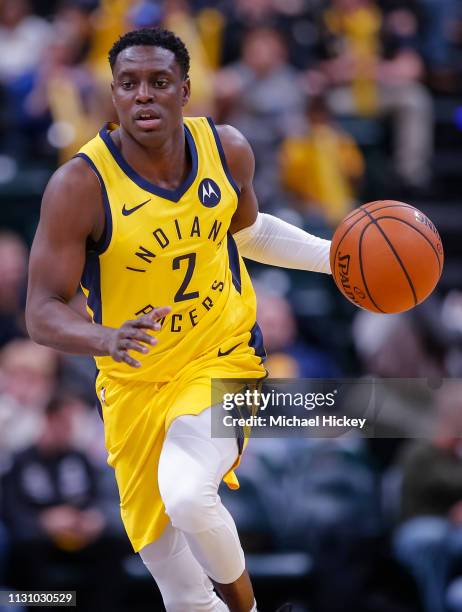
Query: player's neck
point(165, 165)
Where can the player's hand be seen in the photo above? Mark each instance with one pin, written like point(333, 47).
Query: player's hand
point(132, 336)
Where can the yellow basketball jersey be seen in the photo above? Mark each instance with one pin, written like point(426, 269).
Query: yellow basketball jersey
point(172, 248)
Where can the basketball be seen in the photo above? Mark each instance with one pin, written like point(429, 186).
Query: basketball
point(386, 256)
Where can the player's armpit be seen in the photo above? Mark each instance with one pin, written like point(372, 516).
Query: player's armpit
point(241, 164)
point(77, 303)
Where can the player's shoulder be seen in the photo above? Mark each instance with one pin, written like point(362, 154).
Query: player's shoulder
point(232, 138)
point(73, 182)
point(72, 198)
point(238, 152)
point(75, 173)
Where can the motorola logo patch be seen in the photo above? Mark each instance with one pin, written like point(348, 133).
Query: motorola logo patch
point(209, 193)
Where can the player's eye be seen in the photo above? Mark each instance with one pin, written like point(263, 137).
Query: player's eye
point(161, 83)
point(126, 84)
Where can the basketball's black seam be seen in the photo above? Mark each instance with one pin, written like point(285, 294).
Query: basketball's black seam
point(419, 232)
point(365, 207)
point(360, 219)
point(363, 231)
point(397, 257)
point(340, 242)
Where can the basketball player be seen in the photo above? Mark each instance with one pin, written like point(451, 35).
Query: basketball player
point(147, 217)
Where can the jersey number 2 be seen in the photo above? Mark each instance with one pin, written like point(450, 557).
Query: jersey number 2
point(181, 294)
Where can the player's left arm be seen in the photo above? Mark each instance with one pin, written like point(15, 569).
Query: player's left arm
point(260, 236)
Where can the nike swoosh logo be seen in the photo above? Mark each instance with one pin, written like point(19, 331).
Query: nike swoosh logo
point(128, 211)
point(223, 353)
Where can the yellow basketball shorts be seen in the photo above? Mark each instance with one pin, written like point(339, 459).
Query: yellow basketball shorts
point(136, 418)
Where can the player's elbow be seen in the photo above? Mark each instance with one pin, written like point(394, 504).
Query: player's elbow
point(34, 324)
point(33, 329)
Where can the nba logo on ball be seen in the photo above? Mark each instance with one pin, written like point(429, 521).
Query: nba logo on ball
point(209, 193)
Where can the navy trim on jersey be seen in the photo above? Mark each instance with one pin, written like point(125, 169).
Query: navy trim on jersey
point(224, 163)
point(174, 195)
point(106, 236)
point(256, 342)
point(91, 281)
point(234, 266)
point(99, 405)
point(99, 408)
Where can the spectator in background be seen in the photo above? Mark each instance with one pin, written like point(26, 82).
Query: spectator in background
point(243, 16)
point(322, 167)
point(63, 91)
point(296, 20)
point(440, 21)
point(178, 17)
point(27, 379)
point(260, 95)
point(451, 314)
point(288, 356)
point(107, 21)
point(371, 67)
point(429, 540)
point(51, 507)
point(23, 37)
point(396, 347)
point(13, 270)
point(58, 102)
point(77, 18)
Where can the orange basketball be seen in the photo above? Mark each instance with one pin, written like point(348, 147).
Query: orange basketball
point(386, 256)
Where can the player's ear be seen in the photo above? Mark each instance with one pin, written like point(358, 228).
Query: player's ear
point(186, 91)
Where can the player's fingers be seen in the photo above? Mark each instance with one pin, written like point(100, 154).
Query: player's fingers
point(126, 345)
point(125, 357)
point(145, 322)
point(158, 313)
point(141, 336)
point(133, 333)
point(149, 321)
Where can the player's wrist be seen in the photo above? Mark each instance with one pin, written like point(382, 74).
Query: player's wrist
point(106, 339)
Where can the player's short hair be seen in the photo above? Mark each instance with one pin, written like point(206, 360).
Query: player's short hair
point(152, 37)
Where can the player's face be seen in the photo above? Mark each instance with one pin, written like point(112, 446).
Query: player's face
point(149, 93)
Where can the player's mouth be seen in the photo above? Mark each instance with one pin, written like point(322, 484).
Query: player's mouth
point(147, 119)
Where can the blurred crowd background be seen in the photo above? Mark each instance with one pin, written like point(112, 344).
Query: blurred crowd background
point(343, 101)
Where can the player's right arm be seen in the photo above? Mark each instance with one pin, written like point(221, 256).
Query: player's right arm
point(72, 213)
point(259, 236)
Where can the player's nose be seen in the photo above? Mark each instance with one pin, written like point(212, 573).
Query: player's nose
point(144, 93)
